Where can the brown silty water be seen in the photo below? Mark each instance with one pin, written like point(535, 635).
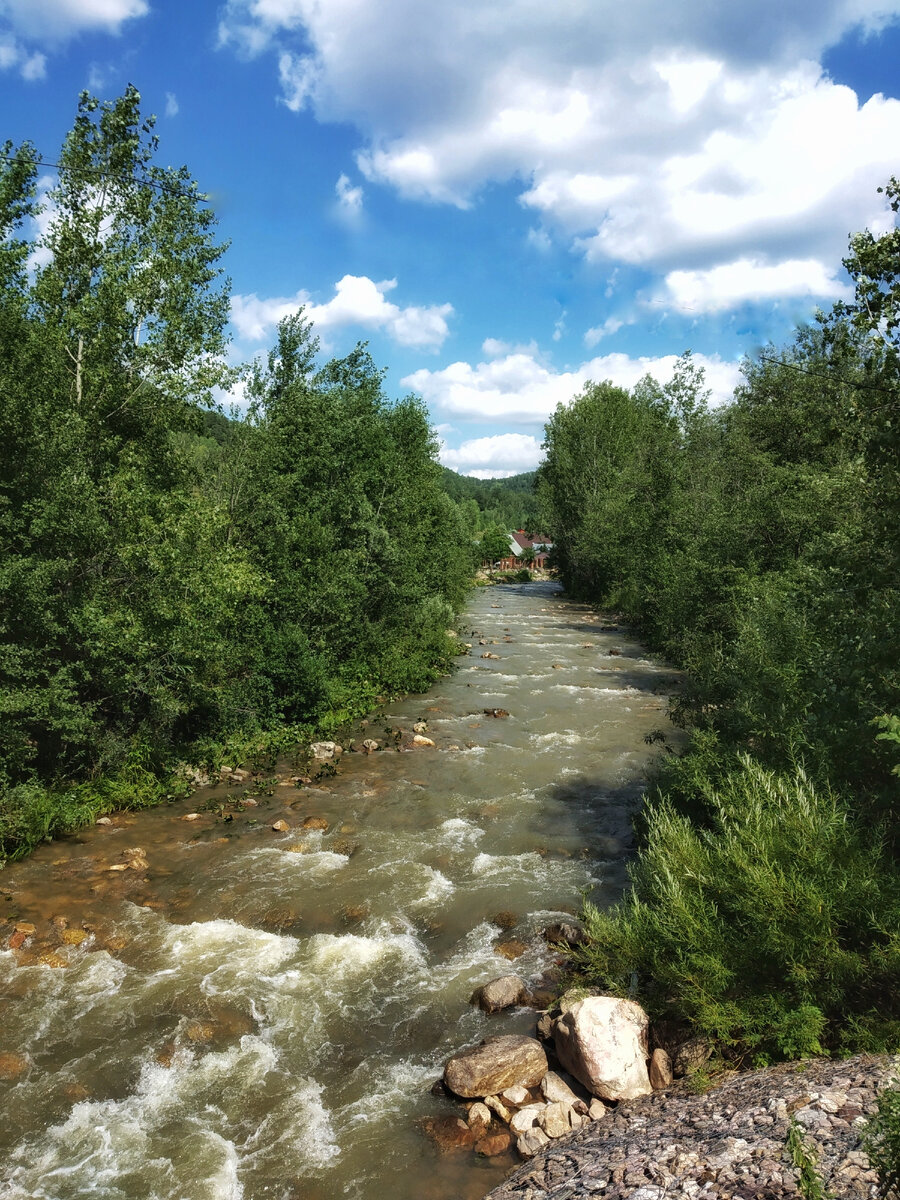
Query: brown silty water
point(244, 1013)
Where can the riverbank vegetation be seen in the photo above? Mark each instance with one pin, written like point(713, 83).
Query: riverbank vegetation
point(756, 546)
point(171, 579)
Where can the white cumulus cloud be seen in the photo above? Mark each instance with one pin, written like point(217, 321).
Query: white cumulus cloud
point(47, 20)
point(26, 24)
point(746, 279)
point(494, 457)
point(521, 390)
point(676, 137)
point(358, 301)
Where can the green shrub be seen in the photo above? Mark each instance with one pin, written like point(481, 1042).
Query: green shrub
point(765, 929)
point(882, 1142)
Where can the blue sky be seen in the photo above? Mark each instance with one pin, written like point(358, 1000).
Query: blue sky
point(505, 199)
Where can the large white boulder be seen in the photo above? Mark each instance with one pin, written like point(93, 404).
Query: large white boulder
point(602, 1041)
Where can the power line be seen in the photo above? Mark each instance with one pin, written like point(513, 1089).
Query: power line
point(853, 383)
point(161, 187)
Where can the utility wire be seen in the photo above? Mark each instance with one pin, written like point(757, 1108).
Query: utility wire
point(161, 187)
point(853, 383)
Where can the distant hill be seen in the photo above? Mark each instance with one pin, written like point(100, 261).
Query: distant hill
point(509, 502)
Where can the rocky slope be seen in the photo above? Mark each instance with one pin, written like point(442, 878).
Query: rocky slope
point(732, 1142)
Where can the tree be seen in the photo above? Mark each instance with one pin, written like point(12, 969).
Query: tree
point(120, 337)
point(495, 544)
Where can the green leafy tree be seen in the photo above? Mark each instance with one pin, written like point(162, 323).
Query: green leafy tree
point(494, 544)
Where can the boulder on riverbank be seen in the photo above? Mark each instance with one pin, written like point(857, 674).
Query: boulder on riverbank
point(602, 1041)
point(494, 1065)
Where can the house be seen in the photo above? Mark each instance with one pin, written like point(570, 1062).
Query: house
point(519, 543)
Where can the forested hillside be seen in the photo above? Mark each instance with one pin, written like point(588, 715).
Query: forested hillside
point(509, 503)
point(169, 578)
point(756, 545)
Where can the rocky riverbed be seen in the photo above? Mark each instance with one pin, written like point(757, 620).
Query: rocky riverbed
point(248, 994)
point(730, 1143)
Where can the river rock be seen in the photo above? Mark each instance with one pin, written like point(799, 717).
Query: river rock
point(421, 740)
point(598, 1110)
point(660, 1069)
point(554, 1089)
point(517, 1096)
point(690, 1057)
point(420, 727)
point(323, 750)
point(191, 817)
point(567, 932)
point(370, 745)
point(448, 1133)
point(103, 821)
point(526, 1118)
point(12, 1065)
point(531, 1141)
point(501, 993)
point(315, 823)
point(479, 1119)
point(497, 1063)
point(496, 1105)
point(281, 827)
point(510, 948)
point(602, 1041)
point(493, 1144)
point(554, 1120)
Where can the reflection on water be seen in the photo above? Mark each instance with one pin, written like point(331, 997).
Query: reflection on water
point(258, 1014)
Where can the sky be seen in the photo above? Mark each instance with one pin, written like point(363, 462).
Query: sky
point(505, 199)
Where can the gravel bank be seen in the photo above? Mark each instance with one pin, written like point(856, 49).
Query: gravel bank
point(731, 1142)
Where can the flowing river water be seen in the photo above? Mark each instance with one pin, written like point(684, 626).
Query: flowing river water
point(254, 1013)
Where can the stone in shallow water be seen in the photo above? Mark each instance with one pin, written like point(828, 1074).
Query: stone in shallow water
point(479, 1119)
point(511, 948)
point(12, 1066)
point(496, 1064)
point(448, 1133)
point(505, 992)
point(493, 1144)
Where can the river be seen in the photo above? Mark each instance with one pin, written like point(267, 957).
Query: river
point(252, 1013)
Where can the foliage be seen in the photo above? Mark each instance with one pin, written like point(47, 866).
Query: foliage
point(804, 1157)
point(172, 579)
point(755, 546)
point(882, 1142)
point(494, 545)
point(511, 502)
point(763, 928)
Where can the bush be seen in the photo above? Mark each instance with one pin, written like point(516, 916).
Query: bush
point(882, 1142)
point(765, 928)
